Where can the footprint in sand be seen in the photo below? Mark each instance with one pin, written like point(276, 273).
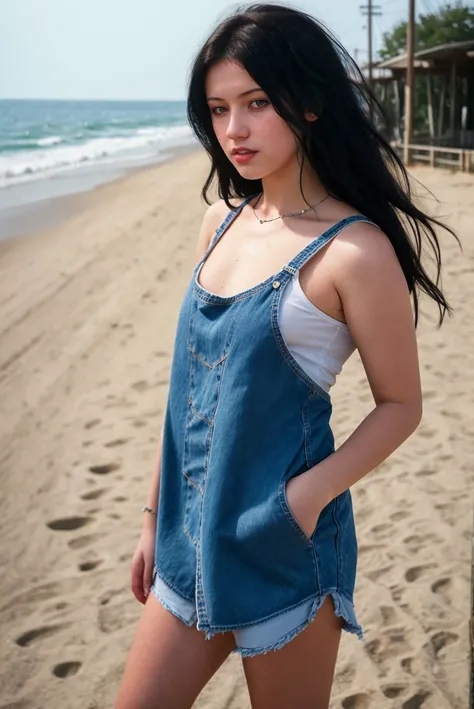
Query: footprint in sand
point(441, 640)
point(104, 469)
point(120, 403)
point(416, 701)
point(407, 665)
point(397, 593)
point(91, 424)
point(89, 565)
point(120, 498)
point(139, 424)
point(41, 633)
point(60, 606)
point(116, 442)
point(84, 541)
point(388, 614)
point(416, 572)
point(66, 669)
point(382, 529)
point(392, 691)
point(428, 432)
point(108, 595)
point(384, 649)
point(418, 541)
point(357, 701)
point(161, 275)
point(398, 516)
point(425, 472)
point(375, 575)
point(93, 494)
point(142, 385)
point(68, 523)
point(443, 588)
point(365, 548)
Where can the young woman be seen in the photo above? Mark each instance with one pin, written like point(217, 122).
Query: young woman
point(312, 251)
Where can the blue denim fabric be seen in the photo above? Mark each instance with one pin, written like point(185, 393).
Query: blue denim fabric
point(242, 419)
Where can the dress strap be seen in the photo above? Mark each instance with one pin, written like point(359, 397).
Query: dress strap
point(314, 246)
point(227, 221)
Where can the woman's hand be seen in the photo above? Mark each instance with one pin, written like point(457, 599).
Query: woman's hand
point(142, 565)
point(303, 502)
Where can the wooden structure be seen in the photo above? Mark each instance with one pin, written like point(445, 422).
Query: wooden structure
point(444, 117)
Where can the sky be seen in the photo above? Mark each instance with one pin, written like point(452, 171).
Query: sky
point(139, 49)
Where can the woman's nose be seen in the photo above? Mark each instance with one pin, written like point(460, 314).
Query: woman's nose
point(237, 127)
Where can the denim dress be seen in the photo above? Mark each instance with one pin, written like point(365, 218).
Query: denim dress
point(242, 419)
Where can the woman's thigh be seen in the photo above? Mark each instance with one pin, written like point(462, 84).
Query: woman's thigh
point(169, 662)
point(300, 674)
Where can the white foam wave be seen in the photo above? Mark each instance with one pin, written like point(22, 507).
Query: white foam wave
point(28, 165)
point(53, 140)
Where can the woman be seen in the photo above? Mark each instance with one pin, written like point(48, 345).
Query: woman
point(254, 548)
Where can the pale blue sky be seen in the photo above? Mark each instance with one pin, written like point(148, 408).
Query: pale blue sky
point(136, 49)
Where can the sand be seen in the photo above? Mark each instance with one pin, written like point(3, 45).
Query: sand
point(87, 319)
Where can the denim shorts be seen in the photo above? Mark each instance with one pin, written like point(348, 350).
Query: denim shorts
point(271, 634)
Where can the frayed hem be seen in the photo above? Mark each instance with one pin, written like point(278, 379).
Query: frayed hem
point(172, 610)
point(343, 608)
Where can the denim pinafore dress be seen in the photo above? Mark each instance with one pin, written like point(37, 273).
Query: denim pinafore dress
point(242, 419)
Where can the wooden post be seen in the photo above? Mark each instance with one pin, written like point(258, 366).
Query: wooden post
point(430, 107)
point(452, 102)
point(442, 97)
point(410, 80)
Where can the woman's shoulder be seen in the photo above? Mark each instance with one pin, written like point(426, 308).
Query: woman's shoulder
point(216, 213)
point(211, 221)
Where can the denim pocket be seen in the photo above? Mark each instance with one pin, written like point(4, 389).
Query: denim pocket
point(288, 511)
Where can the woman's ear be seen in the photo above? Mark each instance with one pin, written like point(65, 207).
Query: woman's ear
point(310, 116)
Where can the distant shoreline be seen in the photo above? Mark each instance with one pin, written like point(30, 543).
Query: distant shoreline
point(46, 203)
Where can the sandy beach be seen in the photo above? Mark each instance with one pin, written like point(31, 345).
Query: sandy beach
point(87, 320)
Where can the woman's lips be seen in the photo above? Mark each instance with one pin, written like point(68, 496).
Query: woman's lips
point(242, 158)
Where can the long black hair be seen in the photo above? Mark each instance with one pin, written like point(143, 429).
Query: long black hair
point(302, 67)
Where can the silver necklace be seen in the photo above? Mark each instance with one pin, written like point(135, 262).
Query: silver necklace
point(287, 214)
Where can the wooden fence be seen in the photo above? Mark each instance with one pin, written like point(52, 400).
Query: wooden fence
point(435, 156)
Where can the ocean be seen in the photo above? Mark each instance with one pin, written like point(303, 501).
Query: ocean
point(51, 149)
point(39, 139)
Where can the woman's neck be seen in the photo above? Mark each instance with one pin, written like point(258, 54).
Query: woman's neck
point(282, 192)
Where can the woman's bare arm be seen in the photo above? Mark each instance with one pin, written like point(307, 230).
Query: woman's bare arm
point(378, 312)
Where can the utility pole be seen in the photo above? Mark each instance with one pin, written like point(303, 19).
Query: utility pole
point(410, 82)
point(370, 11)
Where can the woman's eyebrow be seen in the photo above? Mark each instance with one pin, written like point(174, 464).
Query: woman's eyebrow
point(244, 93)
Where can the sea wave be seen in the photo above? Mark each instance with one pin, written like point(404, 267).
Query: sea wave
point(52, 140)
point(54, 156)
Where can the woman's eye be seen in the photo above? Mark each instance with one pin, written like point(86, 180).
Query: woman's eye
point(261, 100)
point(220, 110)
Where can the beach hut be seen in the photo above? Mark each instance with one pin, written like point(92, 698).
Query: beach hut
point(444, 103)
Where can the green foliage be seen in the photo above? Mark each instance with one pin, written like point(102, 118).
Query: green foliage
point(452, 23)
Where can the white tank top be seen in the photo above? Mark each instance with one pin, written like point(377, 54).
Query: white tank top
point(319, 343)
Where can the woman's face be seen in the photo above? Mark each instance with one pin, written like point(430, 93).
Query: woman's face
point(243, 117)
